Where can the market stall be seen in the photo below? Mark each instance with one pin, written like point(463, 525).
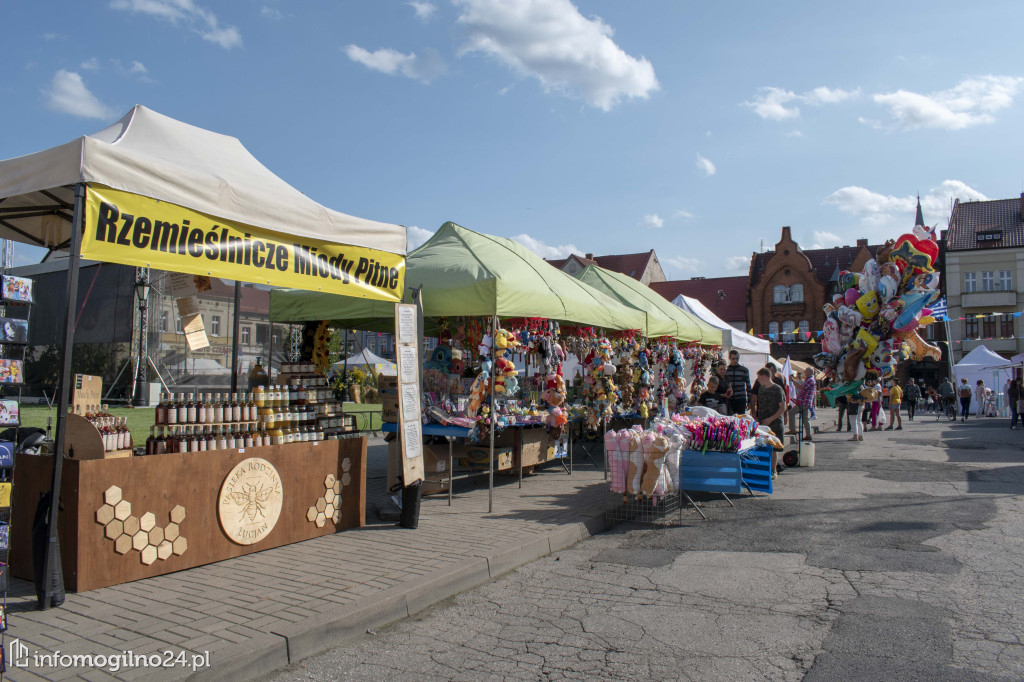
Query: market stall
point(754, 352)
point(150, 191)
point(491, 302)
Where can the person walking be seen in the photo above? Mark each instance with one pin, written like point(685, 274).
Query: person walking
point(965, 399)
point(771, 405)
point(895, 398)
point(855, 401)
point(979, 396)
point(844, 410)
point(1017, 406)
point(806, 389)
point(738, 378)
point(1013, 395)
point(911, 394)
point(874, 406)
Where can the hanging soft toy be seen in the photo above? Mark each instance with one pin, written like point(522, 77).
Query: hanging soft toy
point(655, 457)
point(555, 422)
point(440, 359)
point(477, 394)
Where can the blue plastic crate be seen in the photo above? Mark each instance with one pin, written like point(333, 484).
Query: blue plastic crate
point(714, 472)
point(756, 466)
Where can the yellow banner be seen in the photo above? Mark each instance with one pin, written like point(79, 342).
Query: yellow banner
point(126, 228)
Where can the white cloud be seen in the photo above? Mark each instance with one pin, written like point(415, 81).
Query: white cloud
point(777, 104)
point(52, 36)
point(796, 134)
point(551, 41)
point(90, 64)
point(681, 213)
point(706, 165)
point(652, 220)
point(680, 264)
point(825, 240)
point(424, 68)
point(186, 13)
point(737, 264)
point(271, 13)
point(546, 250)
point(887, 216)
point(971, 102)
point(424, 10)
point(417, 236)
point(68, 95)
point(138, 68)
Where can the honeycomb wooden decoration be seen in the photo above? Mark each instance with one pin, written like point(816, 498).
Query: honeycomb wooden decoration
point(328, 506)
point(140, 533)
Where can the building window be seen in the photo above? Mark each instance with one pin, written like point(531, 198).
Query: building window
point(988, 326)
point(371, 344)
point(796, 293)
point(970, 282)
point(1006, 326)
point(805, 327)
point(971, 328)
point(177, 324)
point(788, 327)
point(988, 281)
point(163, 320)
point(773, 328)
point(215, 325)
point(245, 336)
point(262, 334)
point(780, 294)
point(1005, 280)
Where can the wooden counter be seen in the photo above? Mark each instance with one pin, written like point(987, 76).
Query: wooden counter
point(138, 517)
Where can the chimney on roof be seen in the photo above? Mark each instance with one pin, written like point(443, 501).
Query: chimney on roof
point(589, 256)
point(862, 242)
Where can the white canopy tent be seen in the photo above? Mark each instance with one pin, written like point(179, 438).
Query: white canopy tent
point(983, 364)
point(152, 155)
point(753, 351)
point(367, 358)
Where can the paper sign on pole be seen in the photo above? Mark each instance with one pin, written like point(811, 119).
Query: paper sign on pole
point(408, 322)
point(195, 333)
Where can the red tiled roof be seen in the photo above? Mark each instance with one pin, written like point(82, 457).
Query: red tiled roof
point(971, 217)
point(732, 308)
point(631, 264)
point(824, 262)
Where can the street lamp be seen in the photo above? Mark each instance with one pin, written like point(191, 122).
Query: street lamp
point(718, 302)
point(140, 397)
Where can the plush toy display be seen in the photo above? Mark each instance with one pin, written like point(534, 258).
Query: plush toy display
point(873, 326)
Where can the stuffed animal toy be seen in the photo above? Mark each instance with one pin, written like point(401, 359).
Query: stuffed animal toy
point(477, 394)
point(635, 462)
point(655, 455)
point(440, 359)
point(615, 460)
point(556, 421)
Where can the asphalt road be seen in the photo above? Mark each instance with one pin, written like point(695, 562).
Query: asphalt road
point(899, 558)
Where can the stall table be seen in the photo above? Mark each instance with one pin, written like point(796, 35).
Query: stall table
point(136, 517)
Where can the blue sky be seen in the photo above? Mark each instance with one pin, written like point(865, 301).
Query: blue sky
point(695, 129)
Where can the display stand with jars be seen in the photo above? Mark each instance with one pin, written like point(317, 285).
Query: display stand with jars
point(309, 389)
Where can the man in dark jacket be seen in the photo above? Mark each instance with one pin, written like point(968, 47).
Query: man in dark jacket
point(738, 378)
point(911, 394)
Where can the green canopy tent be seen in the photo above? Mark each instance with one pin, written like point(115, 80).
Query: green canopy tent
point(466, 273)
point(663, 318)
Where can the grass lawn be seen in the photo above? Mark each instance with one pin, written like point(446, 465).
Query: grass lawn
point(141, 418)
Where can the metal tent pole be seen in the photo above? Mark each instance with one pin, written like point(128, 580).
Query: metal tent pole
point(236, 329)
point(494, 420)
point(51, 564)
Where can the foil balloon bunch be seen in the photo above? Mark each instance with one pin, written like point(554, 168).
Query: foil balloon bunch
point(873, 323)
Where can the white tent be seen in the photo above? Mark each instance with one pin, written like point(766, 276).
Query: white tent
point(983, 364)
point(366, 358)
point(753, 351)
point(199, 366)
point(149, 154)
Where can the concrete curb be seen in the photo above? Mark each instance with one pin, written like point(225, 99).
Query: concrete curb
point(290, 644)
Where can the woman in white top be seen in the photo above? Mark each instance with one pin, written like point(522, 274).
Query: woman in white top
point(979, 398)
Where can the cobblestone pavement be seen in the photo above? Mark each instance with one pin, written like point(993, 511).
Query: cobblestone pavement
point(245, 608)
point(896, 558)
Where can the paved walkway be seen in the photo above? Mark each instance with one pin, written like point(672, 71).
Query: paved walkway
point(257, 613)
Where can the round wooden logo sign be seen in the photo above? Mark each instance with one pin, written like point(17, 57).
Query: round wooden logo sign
point(250, 501)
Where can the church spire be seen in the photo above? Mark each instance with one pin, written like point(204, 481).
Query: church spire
point(920, 216)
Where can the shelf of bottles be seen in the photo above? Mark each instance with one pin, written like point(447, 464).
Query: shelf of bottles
point(15, 292)
point(114, 432)
point(268, 415)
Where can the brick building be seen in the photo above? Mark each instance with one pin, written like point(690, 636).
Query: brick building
point(724, 296)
